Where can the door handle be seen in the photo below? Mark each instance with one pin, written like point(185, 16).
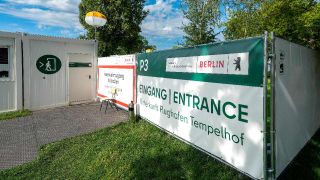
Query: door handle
point(89, 76)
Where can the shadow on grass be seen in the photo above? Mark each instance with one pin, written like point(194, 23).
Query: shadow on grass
point(306, 165)
point(186, 164)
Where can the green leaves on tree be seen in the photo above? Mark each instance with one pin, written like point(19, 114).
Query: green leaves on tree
point(121, 34)
point(203, 17)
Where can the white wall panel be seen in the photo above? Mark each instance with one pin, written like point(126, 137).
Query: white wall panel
point(47, 90)
point(297, 99)
point(81, 92)
point(7, 96)
point(11, 87)
point(51, 90)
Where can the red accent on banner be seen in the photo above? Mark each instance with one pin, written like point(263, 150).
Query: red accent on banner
point(117, 66)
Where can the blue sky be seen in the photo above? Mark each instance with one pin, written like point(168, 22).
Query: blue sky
point(60, 18)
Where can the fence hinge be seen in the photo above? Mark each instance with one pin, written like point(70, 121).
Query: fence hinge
point(270, 170)
point(271, 173)
point(271, 132)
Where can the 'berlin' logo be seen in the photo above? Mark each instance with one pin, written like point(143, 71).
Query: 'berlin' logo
point(237, 63)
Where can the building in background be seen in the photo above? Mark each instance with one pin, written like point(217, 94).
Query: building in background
point(38, 72)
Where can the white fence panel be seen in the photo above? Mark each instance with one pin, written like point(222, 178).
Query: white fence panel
point(210, 96)
point(297, 99)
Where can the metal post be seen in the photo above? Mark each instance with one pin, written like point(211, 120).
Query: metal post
point(131, 112)
point(22, 70)
point(96, 51)
point(272, 107)
point(265, 82)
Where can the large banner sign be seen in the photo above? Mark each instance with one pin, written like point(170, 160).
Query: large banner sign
point(116, 79)
point(210, 96)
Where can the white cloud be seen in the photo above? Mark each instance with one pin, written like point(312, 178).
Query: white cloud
point(163, 20)
point(60, 5)
point(46, 13)
point(45, 17)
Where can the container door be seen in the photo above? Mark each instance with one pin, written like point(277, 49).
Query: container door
point(80, 78)
point(45, 74)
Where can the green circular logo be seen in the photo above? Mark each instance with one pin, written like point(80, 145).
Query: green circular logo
point(48, 64)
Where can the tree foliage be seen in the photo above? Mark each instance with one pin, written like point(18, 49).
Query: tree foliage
point(294, 20)
point(121, 34)
point(203, 18)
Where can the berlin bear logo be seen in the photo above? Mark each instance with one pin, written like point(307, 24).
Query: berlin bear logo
point(237, 63)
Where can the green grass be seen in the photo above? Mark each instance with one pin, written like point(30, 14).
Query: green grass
point(142, 151)
point(125, 151)
point(14, 114)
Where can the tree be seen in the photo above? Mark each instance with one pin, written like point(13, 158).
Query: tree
point(203, 18)
point(243, 18)
point(146, 45)
point(121, 34)
point(294, 20)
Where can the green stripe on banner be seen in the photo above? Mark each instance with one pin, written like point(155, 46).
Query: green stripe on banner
point(156, 66)
point(78, 64)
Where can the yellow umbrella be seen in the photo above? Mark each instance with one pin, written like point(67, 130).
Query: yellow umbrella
point(95, 19)
point(149, 50)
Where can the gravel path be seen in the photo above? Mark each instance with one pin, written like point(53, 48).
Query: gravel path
point(20, 138)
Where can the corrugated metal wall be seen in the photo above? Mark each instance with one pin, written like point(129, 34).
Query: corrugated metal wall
point(51, 90)
point(45, 90)
point(42, 90)
point(7, 96)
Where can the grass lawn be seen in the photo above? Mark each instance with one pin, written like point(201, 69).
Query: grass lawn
point(141, 151)
point(14, 114)
point(125, 151)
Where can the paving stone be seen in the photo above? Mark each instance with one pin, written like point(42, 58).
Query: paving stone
point(20, 138)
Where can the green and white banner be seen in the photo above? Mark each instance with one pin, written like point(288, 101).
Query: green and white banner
point(210, 96)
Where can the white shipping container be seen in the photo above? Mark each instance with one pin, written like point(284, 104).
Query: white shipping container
point(75, 82)
point(38, 72)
